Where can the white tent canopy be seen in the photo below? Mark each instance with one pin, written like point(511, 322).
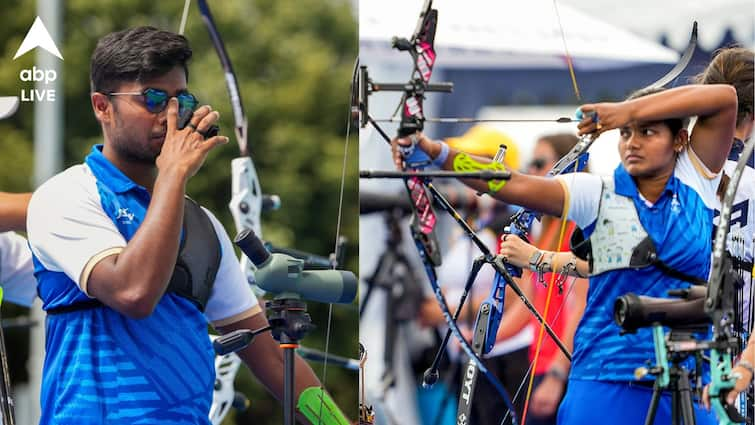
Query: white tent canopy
point(495, 33)
point(652, 19)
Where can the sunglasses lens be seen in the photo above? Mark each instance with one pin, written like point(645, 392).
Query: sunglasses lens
point(186, 101)
point(155, 100)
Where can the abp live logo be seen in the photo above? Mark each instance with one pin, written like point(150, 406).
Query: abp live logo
point(37, 36)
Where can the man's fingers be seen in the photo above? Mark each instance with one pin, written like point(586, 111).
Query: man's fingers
point(210, 118)
point(172, 112)
point(213, 142)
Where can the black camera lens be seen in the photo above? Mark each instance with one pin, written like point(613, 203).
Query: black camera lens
point(632, 311)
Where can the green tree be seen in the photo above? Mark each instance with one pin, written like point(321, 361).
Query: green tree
point(294, 62)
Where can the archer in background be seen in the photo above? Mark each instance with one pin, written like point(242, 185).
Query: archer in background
point(659, 193)
point(131, 270)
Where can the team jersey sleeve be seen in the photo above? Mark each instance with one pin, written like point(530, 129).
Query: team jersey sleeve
point(68, 230)
point(231, 298)
point(691, 171)
point(584, 197)
point(16, 270)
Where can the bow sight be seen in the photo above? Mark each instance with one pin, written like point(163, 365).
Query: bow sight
point(416, 87)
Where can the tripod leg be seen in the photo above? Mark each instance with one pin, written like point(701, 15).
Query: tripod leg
point(685, 398)
point(653, 408)
point(288, 391)
point(389, 379)
point(675, 404)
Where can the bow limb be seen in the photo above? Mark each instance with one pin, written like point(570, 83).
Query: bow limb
point(245, 204)
point(246, 193)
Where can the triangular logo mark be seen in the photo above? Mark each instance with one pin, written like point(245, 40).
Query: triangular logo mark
point(38, 37)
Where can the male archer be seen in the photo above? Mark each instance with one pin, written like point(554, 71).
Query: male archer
point(130, 270)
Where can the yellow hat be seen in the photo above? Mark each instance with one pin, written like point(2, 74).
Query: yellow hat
point(484, 141)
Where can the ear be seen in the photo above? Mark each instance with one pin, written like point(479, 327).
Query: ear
point(102, 107)
point(681, 140)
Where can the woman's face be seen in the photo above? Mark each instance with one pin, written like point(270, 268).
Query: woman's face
point(543, 159)
point(649, 149)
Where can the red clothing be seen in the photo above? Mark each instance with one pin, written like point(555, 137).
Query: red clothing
point(549, 349)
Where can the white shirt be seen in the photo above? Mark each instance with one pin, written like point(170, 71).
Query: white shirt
point(16, 270)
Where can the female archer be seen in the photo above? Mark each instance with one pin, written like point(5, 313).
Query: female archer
point(660, 198)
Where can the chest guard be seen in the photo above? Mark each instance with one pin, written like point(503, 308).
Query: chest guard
point(619, 240)
point(198, 257)
point(196, 266)
point(618, 232)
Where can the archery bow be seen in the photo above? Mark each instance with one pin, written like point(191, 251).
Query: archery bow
point(719, 303)
point(421, 48)
point(247, 203)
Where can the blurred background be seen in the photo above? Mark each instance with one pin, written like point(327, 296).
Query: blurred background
point(507, 60)
point(293, 61)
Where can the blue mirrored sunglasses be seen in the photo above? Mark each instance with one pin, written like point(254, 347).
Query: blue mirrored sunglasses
point(156, 100)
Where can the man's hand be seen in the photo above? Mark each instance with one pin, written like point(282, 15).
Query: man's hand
point(185, 150)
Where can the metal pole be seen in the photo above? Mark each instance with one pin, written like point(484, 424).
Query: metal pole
point(48, 160)
point(288, 387)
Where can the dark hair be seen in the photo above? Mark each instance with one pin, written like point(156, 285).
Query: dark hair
point(733, 66)
point(136, 54)
point(674, 124)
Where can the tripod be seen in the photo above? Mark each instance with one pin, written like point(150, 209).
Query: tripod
point(289, 323)
point(674, 377)
point(395, 276)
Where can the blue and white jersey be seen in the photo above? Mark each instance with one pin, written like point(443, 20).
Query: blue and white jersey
point(680, 225)
point(101, 366)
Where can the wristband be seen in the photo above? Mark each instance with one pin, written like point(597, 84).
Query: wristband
point(441, 159)
point(535, 259)
point(414, 157)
